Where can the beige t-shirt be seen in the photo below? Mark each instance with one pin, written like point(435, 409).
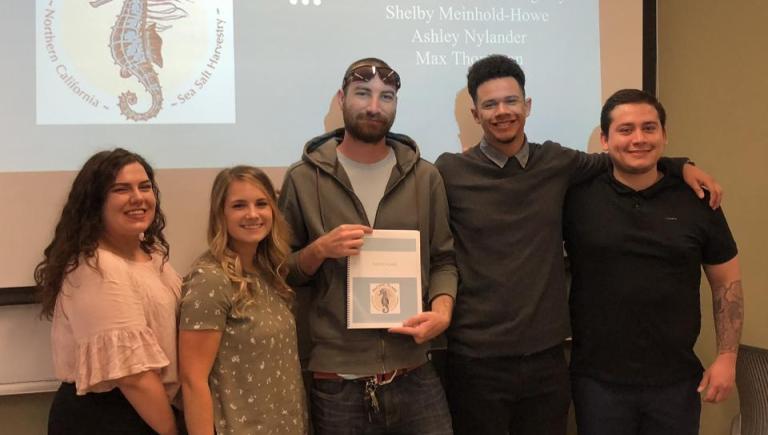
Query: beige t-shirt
point(116, 320)
point(255, 380)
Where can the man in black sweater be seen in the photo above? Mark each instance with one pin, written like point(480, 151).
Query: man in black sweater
point(506, 371)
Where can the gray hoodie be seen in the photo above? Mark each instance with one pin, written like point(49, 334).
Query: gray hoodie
point(316, 198)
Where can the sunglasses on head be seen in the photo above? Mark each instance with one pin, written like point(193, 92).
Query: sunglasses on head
point(366, 73)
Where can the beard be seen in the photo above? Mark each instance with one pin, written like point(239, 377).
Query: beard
point(366, 128)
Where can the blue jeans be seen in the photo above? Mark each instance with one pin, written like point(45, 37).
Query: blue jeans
point(604, 408)
point(519, 395)
point(413, 403)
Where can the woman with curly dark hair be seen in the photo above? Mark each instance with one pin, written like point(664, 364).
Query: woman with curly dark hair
point(106, 284)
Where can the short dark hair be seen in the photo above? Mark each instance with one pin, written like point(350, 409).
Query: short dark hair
point(629, 96)
point(491, 67)
point(375, 61)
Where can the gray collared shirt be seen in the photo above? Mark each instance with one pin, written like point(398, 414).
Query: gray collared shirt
point(500, 159)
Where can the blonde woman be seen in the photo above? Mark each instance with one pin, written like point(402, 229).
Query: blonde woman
point(237, 342)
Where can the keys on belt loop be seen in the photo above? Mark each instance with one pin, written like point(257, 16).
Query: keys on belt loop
point(371, 385)
point(370, 396)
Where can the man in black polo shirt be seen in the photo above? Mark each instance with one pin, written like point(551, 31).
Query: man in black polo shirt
point(637, 239)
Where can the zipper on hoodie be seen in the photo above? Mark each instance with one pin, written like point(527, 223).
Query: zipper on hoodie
point(381, 350)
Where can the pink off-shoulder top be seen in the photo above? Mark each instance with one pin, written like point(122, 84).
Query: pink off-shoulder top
point(116, 320)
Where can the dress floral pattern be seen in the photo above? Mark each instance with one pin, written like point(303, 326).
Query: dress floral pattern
point(255, 381)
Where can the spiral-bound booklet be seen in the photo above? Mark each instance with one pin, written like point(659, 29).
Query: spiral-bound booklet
point(384, 280)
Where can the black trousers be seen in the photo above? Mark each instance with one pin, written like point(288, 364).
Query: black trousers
point(522, 395)
point(107, 413)
point(604, 408)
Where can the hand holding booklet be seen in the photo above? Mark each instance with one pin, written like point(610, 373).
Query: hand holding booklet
point(384, 280)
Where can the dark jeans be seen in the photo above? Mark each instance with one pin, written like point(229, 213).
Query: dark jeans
point(509, 395)
point(604, 408)
point(414, 403)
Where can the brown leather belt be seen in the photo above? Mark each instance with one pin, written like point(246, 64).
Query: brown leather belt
point(380, 378)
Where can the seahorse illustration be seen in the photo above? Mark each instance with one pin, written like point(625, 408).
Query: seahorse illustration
point(136, 46)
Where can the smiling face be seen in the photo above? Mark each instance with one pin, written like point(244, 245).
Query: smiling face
point(501, 110)
point(248, 214)
point(129, 208)
point(635, 139)
point(369, 109)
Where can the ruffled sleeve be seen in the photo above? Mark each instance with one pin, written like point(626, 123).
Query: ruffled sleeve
point(102, 315)
point(115, 354)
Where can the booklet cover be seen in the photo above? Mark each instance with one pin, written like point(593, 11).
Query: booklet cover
point(384, 280)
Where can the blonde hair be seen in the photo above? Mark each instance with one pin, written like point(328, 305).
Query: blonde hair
point(272, 252)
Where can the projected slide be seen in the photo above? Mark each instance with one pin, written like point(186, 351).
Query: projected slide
point(195, 85)
point(212, 83)
point(135, 61)
point(431, 43)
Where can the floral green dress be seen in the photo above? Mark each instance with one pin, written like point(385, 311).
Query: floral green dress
point(255, 381)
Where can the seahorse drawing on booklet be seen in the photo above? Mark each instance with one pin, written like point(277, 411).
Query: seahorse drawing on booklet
point(136, 48)
point(385, 298)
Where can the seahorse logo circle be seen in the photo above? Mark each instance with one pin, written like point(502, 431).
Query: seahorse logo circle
point(385, 298)
point(136, 47)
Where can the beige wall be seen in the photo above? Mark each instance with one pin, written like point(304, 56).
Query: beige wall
point(25, 414)
point(713, 80)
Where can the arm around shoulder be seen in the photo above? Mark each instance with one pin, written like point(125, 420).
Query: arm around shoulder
point(586, 166)
point(695, 178)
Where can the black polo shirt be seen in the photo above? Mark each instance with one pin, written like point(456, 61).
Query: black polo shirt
point(636, 258)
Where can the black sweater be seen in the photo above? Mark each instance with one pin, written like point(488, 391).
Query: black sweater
point(507, 226)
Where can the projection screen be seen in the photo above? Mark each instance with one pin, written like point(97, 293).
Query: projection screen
point(196, 85)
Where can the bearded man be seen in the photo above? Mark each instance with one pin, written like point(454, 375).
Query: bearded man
point(348, 182)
